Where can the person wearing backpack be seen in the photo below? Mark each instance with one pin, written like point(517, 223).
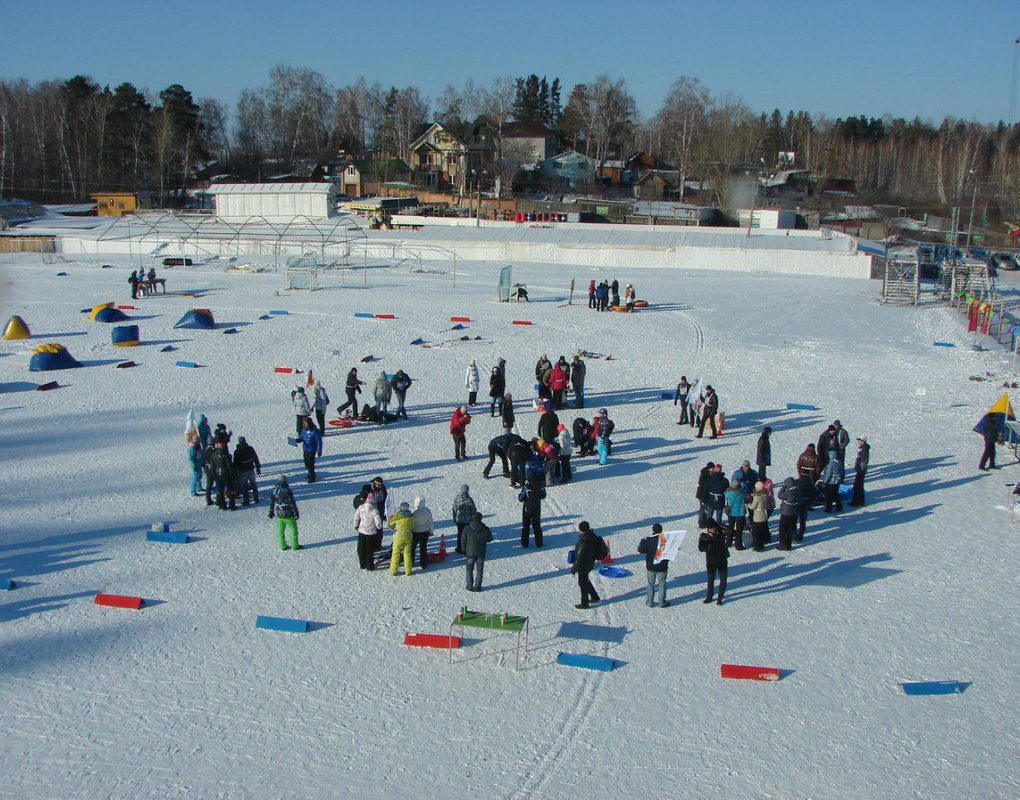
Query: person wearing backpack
point(463, 513)
point(531, 497)
point(283, 507)
point(588, 550)
point(656, 571)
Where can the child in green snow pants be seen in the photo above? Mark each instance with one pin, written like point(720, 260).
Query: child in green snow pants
point(282, 523)
point(402, 546)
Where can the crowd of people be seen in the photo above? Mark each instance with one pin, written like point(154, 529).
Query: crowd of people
point(745, 501)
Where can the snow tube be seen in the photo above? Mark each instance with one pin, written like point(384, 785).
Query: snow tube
point(16, 329)
point(47, 357)
point(621, 308)
point(197, 318)
point(640, 304)
point(124, 336)
point(613, 572)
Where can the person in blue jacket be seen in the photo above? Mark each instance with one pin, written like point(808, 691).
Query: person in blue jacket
point(195, 461)
point(311, 446)
point(204, 431)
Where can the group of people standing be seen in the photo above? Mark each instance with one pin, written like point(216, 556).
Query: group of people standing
point(384, 389)
point(605, 295)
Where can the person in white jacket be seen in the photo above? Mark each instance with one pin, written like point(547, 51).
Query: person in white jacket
point(368, 523)
point(421, 530)
point(471, 382)
point(302, 408)
point(566, 444)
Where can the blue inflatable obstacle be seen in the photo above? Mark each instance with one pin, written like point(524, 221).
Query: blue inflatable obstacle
point(800, 407)
point(168, 349)
point(284, 624)
point(167, 537)
point(197, 319)
point(6, 584)
point(188, 364)
point(944, 344)
point(363, 315)
point(418, 341)
point(934, 687)
point(108, 314)
point(279, 312)
point(458, 327)
point(46, 357)
point(124, 336)
point(230, 330)
point(583, 661)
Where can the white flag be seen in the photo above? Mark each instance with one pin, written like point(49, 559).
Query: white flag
point(190, 429)
point(669, 544)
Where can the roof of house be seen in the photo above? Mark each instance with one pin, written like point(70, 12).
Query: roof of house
point(527, 130)
point(271, 188)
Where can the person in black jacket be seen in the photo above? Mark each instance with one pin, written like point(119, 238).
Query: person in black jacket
point(352, 389)
point(223, 475)
point(990, 433)
point(246, 465)
point(712, 543)
point(763, 457)
point(548, 423)
point(518, 451)
point(708, 412)
point(789, 512)
point(716, 486)
point(683, 390)
point(656, 573)
point(807, 499)
point(860, 469)
point(701, 495)
point(499, 447)
point(531, 497)
point(210, 473)
point(399, 384)
point(497, 387)
point(586, 553)
point(578, 371)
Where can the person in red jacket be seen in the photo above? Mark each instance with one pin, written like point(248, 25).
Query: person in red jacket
point(558, 383)
point(458, 430)
point(591, 294)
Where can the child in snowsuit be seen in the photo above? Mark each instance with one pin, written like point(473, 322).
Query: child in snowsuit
point(476, 538)
point(656, 572)
point(401, 524)
point(712, 543)
point(283, 506)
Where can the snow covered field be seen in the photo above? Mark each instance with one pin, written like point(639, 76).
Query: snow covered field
point(186, 699)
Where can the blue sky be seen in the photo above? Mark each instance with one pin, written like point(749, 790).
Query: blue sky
point(929, 59)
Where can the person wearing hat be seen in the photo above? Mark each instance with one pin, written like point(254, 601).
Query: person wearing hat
point(708, 411)
point(401, 524)
point(246, 465)
point(458, 430)
point(497, 388)
point(302, 408)
point(578, 372)
point(628, 296)
point(701, 493)
point(746, 477)
point(421, 530)
point(471, 382)
point(736, 514)
point(476, 539)
point(351, 389)
point(655, 570)
point(763, 454)
point(566, 445)
point(311, 446)
point(712, 543)
point(683, 390)
point(548, 422)
point(589, 549)
point(831, 478)
point(840, 442)
point(368, 523)
point(860, 469)
point(283, 507)
point(531, 496)
point(321, 403)
point(758, 508)
point(462, 513)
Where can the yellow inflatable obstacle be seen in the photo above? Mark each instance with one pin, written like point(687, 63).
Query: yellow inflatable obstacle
point(16, 329)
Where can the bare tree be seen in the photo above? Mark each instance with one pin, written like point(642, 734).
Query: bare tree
point(603, 113)
point(681, 123)
point(496, 108)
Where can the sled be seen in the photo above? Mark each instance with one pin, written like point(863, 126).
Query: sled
point(623, 309)
point(640, 304)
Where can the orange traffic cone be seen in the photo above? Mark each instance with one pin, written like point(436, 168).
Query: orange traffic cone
point(609, 554)
point(442, 545)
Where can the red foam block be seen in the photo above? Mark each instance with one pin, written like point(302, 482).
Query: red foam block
point(126, 308)
point(460, 319)
point(522, 322)
point(750, 673)
point(118, 601)
point(432, 640)
point(385, 316)
point(286, 370)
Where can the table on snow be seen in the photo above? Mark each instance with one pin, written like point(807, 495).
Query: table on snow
point(499, 622)
point(152, 287)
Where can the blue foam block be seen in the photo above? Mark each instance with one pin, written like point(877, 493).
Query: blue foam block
point(457, 327)
point(186, 364)
point(284, 624)
point(363, 315)
point(944, 344)
point(168, 349)
point(167, 537)
point(292, 441)
point(933, 687)
point(265, 316)
point(278, 311)
point(418, 341)
point(230, 330)
point(667, 395)
point(6, 584)
point(800, 407)
point(585, 661)
point(570, 556)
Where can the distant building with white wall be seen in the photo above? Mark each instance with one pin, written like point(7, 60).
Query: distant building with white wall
point(275, 202)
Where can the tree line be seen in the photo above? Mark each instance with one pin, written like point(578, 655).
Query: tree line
point(63, 139)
